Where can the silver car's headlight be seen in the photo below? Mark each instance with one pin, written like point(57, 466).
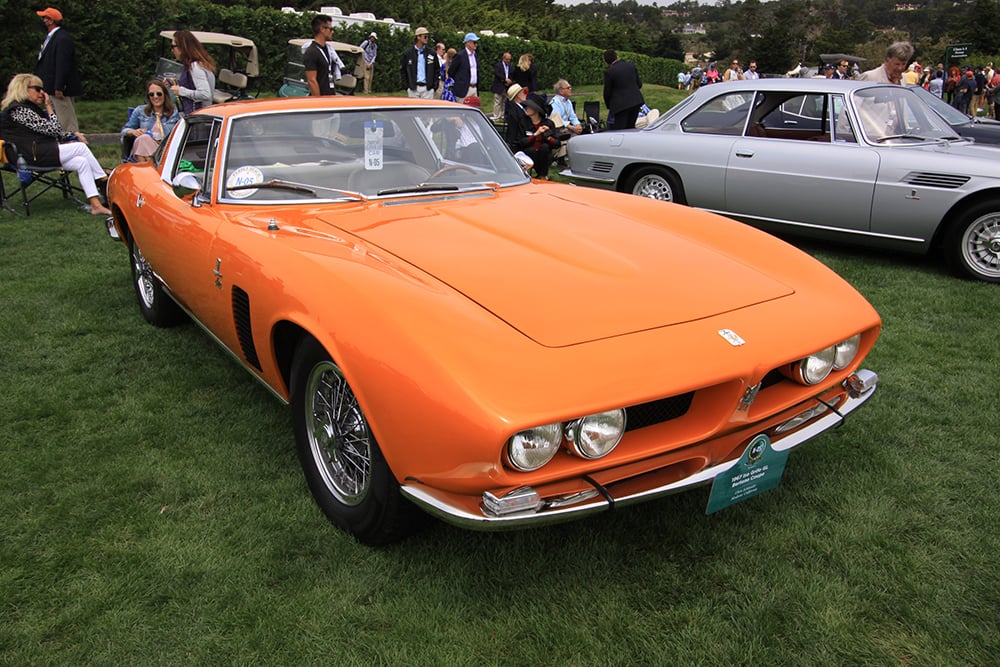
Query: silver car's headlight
point(532, 448)
point(814, 368)
point(846, 351)
point(595, 436)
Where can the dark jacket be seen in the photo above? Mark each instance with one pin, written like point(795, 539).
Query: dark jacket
point(38, 148)
point(408, 68)
point(461, 71)
point(622, 87)
point(527, 79)
point(500, 85)
point(57, 66)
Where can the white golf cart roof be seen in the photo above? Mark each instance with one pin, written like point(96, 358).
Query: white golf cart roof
point(239, 43)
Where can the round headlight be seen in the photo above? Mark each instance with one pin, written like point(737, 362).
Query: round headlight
point(846, 351)
point(534, 447)
point(816, 367)
point(595, 436)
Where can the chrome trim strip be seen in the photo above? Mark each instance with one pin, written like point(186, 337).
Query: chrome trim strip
point(569, 173)
point(435, 505)
point(827, 228)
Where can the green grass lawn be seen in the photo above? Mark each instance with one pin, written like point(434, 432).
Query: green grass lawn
point(152, 510)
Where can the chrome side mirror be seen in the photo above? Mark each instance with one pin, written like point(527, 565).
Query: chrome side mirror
point(187, 183)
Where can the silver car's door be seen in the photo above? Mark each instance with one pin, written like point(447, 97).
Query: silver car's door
point(803, 170)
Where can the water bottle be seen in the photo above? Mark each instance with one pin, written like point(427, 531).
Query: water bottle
point(23, 174)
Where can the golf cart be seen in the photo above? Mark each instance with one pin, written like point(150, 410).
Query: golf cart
point(295, 85)
point(235, 56)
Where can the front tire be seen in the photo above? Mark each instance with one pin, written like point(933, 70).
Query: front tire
point(972, 245)
point(155, 304)
point(343, 465)
point(656, 183)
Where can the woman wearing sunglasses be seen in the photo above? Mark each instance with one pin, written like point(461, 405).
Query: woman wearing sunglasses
point(149, 124)
point(33, 126)
point(197, 81)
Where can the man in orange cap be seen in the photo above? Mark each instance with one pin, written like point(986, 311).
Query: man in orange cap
point(57, 68)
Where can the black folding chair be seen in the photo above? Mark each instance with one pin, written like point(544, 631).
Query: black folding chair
point(592, 117)
point(42, 180)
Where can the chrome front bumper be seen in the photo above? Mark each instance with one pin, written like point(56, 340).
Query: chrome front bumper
point(860, 386)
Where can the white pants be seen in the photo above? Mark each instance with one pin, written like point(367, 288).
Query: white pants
point(76, 156)
point(421, 92)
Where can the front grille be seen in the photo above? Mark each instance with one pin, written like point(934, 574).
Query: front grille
point(657, 412)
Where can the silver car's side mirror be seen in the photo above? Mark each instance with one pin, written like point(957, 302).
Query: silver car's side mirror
point(186, 183)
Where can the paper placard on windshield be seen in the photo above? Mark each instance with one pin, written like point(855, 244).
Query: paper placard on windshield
point(373, 144)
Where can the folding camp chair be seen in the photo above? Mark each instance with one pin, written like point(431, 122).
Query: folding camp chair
point(42, 180)
point(592, 117)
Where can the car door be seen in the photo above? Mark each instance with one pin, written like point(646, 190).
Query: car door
point(803, 166)
point(178, 225)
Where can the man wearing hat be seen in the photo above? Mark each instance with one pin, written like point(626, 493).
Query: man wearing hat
point(370, 48)
point(418, 66)
point(57, 68)
point(464, 69)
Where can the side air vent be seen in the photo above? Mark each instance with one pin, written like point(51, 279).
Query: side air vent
point(602, 167)
point(241, 319)
point(929, 179)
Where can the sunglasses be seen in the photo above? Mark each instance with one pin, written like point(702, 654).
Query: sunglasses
point(155, 94)
point(36, 88)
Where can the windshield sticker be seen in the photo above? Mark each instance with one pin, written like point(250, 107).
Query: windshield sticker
point(373, 144)
point(244, 176)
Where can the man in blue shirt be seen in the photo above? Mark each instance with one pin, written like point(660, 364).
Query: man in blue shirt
point(418, 66)
point(370, 48)
point(562, 105)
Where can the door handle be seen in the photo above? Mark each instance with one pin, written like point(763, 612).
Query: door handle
point(744, 153)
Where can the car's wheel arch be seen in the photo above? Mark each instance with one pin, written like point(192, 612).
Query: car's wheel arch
point(628, 173)
point(955, 215)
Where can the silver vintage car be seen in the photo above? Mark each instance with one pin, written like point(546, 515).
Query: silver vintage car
point(850, 161)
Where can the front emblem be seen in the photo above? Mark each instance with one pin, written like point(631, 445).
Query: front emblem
point(731, 337)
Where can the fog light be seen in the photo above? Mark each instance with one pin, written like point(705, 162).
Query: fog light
point(801, 418)
point(860, 383)
point(524, 499)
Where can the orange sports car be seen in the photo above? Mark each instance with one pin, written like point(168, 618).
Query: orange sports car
point(454, 336)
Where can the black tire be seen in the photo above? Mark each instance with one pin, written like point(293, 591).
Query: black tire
point(656, 183)
point(343, 466)
point(155, 304)
point(972, 243)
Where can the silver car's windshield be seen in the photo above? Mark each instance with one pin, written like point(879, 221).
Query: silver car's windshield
point(892, 115)
point(357, 154)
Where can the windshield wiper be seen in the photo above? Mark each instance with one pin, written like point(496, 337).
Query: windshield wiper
point(274, 184)
point(916, 137)
point(423, 187)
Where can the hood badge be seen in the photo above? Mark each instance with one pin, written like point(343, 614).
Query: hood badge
point(731, 337)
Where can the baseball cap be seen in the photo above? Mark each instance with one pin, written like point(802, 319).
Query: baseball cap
point(470, 37)
point(52, 13)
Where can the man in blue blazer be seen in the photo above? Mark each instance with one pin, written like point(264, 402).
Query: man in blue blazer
point(465, 70)
point(57, 68)
point(622, 94)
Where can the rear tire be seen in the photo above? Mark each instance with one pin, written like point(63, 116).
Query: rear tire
point(656, 183)
point(972, 245)
point(342, 462)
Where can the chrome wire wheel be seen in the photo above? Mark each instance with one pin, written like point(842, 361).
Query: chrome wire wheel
point(980, 244)
point(339, 438)
point(145, 281)
point(653, 186)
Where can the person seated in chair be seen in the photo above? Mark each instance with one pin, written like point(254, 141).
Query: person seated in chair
point(148, 125)
point(529, 130)
point(33, 126)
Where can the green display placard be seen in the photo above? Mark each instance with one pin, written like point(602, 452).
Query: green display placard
point(758, 470)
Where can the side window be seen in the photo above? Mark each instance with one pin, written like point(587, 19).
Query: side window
point(197, 149)
point(842, 129)
point(726, 114)
point(802, 112)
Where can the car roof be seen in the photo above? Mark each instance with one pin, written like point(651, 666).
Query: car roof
point(327, 102)
point(819, 85)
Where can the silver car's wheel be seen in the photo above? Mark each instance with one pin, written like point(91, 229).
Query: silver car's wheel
point(656, 183)
point(345, 470)
point(973, 245)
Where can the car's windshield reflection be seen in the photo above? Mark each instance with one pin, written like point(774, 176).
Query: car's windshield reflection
point(363, 154)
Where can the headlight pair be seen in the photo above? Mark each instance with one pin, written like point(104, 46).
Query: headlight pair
point(816, 367)
point(590, 437)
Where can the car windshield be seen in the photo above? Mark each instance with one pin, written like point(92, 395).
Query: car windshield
point(364, 153)
point(952, 115)
point(895, 115)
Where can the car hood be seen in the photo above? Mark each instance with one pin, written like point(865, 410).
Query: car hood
point(563, 272)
